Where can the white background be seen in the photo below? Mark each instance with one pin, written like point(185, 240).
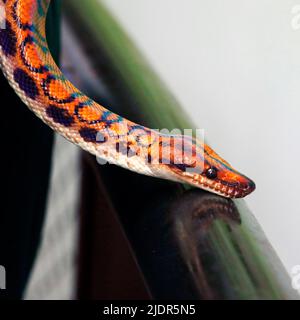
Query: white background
point(235, 67)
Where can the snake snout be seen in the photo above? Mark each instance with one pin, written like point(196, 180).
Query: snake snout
point(249, 187)
point(244, 188)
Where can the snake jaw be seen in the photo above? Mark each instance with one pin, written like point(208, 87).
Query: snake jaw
point(238, 189)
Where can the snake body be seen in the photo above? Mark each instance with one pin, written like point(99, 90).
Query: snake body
point(31, 71)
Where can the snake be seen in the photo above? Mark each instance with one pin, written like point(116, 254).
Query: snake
point(31, 71)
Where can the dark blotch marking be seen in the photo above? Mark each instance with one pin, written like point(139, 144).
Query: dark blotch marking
point(60, 115)
point(8, 40)
point(26, 83)
point(92, 135)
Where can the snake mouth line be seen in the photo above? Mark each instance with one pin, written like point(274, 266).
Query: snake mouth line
point(216, 186)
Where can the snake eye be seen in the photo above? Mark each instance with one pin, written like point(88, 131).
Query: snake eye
point(211, 173)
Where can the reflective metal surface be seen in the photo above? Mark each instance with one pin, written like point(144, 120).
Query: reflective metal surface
point(192, 217)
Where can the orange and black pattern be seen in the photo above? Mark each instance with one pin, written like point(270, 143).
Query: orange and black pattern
point(27, 63)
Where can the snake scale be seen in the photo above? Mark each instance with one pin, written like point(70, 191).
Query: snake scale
point(31, 71)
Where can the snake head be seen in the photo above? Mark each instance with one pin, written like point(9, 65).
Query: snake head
point(197, 164)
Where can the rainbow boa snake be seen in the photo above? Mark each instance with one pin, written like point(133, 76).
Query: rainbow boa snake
point(27, 64)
